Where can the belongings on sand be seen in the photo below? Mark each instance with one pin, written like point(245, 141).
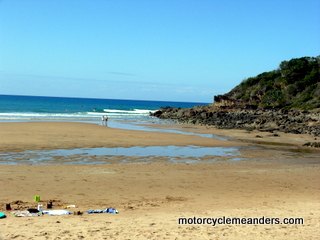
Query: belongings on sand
point(49, 205)
point(33, 210)
point(8, 207)
point(37, 198)
point(40, 207)
point(57, 212)
point(69, 206)
point(19, 213)
point(78, 213)
point(107, 210)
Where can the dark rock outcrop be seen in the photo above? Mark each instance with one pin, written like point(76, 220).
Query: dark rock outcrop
point(312, 144)
point(296, 122)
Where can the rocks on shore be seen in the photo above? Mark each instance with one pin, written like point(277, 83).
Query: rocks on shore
point(312, 144)
point(297, 122)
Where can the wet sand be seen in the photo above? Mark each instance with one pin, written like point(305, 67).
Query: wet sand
point(279, 179)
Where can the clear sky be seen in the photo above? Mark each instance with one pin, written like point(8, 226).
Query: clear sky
point(171, 50)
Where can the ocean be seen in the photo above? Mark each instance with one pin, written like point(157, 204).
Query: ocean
point(38, 108)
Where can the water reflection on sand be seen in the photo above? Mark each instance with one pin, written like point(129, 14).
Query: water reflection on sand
point(123, 155)
point(126, 155)
point(148, 127)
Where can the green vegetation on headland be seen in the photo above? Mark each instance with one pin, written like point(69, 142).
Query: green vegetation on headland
point(294, 85)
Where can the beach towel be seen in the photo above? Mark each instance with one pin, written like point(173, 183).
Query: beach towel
point(96, 211)
point(57, 212)
point(19, 213)
point(2, 215)
point(107, 210)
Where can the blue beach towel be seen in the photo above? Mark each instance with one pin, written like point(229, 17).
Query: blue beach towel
point(107, 210)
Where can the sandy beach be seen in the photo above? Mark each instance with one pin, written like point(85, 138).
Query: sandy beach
point(277, 178)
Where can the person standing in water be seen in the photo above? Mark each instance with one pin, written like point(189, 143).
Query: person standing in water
point(104, 120)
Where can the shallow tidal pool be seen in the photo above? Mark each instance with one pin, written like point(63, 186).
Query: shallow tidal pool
point(123, 155)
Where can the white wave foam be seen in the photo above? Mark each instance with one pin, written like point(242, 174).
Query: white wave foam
point(8, 116)
point(136, 115)
point(42, 114)
point(134, 111)
point(95, 113)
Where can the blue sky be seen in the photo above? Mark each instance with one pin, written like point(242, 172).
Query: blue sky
point(170, 50)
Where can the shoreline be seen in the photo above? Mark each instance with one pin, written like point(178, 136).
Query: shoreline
point(150, 197)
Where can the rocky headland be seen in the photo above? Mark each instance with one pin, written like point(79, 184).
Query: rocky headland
point(273, 121)
point(284, 100)
point(288, 121)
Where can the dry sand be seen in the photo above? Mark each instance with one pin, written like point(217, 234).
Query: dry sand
point(276, 181)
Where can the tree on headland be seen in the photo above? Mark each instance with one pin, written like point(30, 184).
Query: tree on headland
point(294, 85)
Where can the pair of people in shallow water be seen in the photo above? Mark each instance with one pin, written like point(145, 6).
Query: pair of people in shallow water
point(104, 120)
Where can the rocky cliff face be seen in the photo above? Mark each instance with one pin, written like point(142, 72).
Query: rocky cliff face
point(264, 120)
